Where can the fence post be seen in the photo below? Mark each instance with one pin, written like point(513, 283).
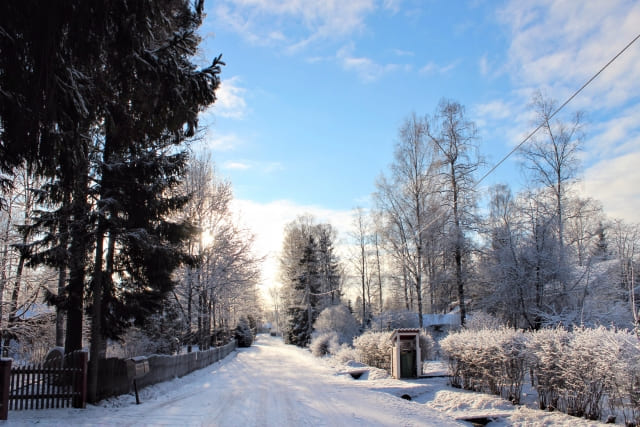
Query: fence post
point(80, 383)
point(5, 378)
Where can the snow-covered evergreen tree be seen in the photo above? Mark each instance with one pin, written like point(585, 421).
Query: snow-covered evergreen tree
point(310, 273)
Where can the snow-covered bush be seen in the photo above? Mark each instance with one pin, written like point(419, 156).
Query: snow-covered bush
point(624, 389)
point(374, 349)
point(137, 342)
point(347, 353)
point(338, 319)
point(547, 349)
point(427, 346)
point(587, 372)
point(573, 371)
point(324, 344)
point(243, 333)
point(493, 361)
point(480, 320)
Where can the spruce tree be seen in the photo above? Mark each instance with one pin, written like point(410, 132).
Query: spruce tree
point(306, 289)
point(98, 98)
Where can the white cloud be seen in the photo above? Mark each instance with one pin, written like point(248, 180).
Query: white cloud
point(433, 68)
point(559, 44)
point(217, 142)
point(400, 52)
point(264, 167)
point(230, 102)
point(392, 5)
point(236, 166)
point(294, 22)
point(483, 64)
point(494, 110)
point(615, 136)
point(366, 68)
point(615, 183)
point(556, 45)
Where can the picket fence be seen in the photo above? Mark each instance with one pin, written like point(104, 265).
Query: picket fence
point(53, 384)
point(63, 384)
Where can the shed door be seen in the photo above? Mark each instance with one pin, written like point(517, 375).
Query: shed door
point(408, 364)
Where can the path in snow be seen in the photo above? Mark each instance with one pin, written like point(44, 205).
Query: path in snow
point(268, 384)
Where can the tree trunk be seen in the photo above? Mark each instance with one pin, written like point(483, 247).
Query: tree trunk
point(79, 244)
point(62, 270)
point(15, 294)
point(381, 308)
point(458, 248)
point(96, 316)
point(5, 263)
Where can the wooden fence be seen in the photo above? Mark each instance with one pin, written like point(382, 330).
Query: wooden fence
point(64, 384)
point(52, 384)
point(113, 379)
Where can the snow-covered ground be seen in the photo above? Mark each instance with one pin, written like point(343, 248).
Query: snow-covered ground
point(271, 384)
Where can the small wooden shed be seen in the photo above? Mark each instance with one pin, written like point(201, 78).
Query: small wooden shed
point(406, 357)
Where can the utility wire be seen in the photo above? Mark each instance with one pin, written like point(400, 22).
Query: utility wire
point(558, 109)
point(438, 217)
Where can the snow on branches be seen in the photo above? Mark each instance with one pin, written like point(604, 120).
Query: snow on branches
point(575, 371)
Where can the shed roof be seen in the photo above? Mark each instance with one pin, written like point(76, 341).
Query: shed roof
point(404, 331)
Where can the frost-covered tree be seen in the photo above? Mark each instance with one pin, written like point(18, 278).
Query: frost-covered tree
point(338, 319)
point(408, 200)
point(305, 287)
point(329, 268)
point(455, 137)
point(308, 279)
point(551, 159)
point(243, 333)
point(362, 263)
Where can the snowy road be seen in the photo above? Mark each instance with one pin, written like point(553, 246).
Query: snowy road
point(268, 384)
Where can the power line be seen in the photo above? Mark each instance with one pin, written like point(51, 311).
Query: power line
point(438, 217)
point(558, 109)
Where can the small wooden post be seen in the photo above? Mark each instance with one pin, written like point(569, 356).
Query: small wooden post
point(5, 378)
point(135, 387)
point(80, 383)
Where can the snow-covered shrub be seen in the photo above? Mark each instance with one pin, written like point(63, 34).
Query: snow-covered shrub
point(324, 344)
point(347, 353)
point(243, 333)
point(374, 349)
point(587, 372)
point(427, 346)
point(624, 388)
point(453, 347)
point(493, 361)
point(480, 320)
point(136, 342)
point(338, 319)
point(547, 349)
point(514, 358)
point(573, 371)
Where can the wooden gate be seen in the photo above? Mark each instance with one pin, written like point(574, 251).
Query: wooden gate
point(53, 384)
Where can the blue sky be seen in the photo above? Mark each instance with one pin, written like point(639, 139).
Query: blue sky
point(314, 92)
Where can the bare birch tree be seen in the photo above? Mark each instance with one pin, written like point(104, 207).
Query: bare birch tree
point(456, 140)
